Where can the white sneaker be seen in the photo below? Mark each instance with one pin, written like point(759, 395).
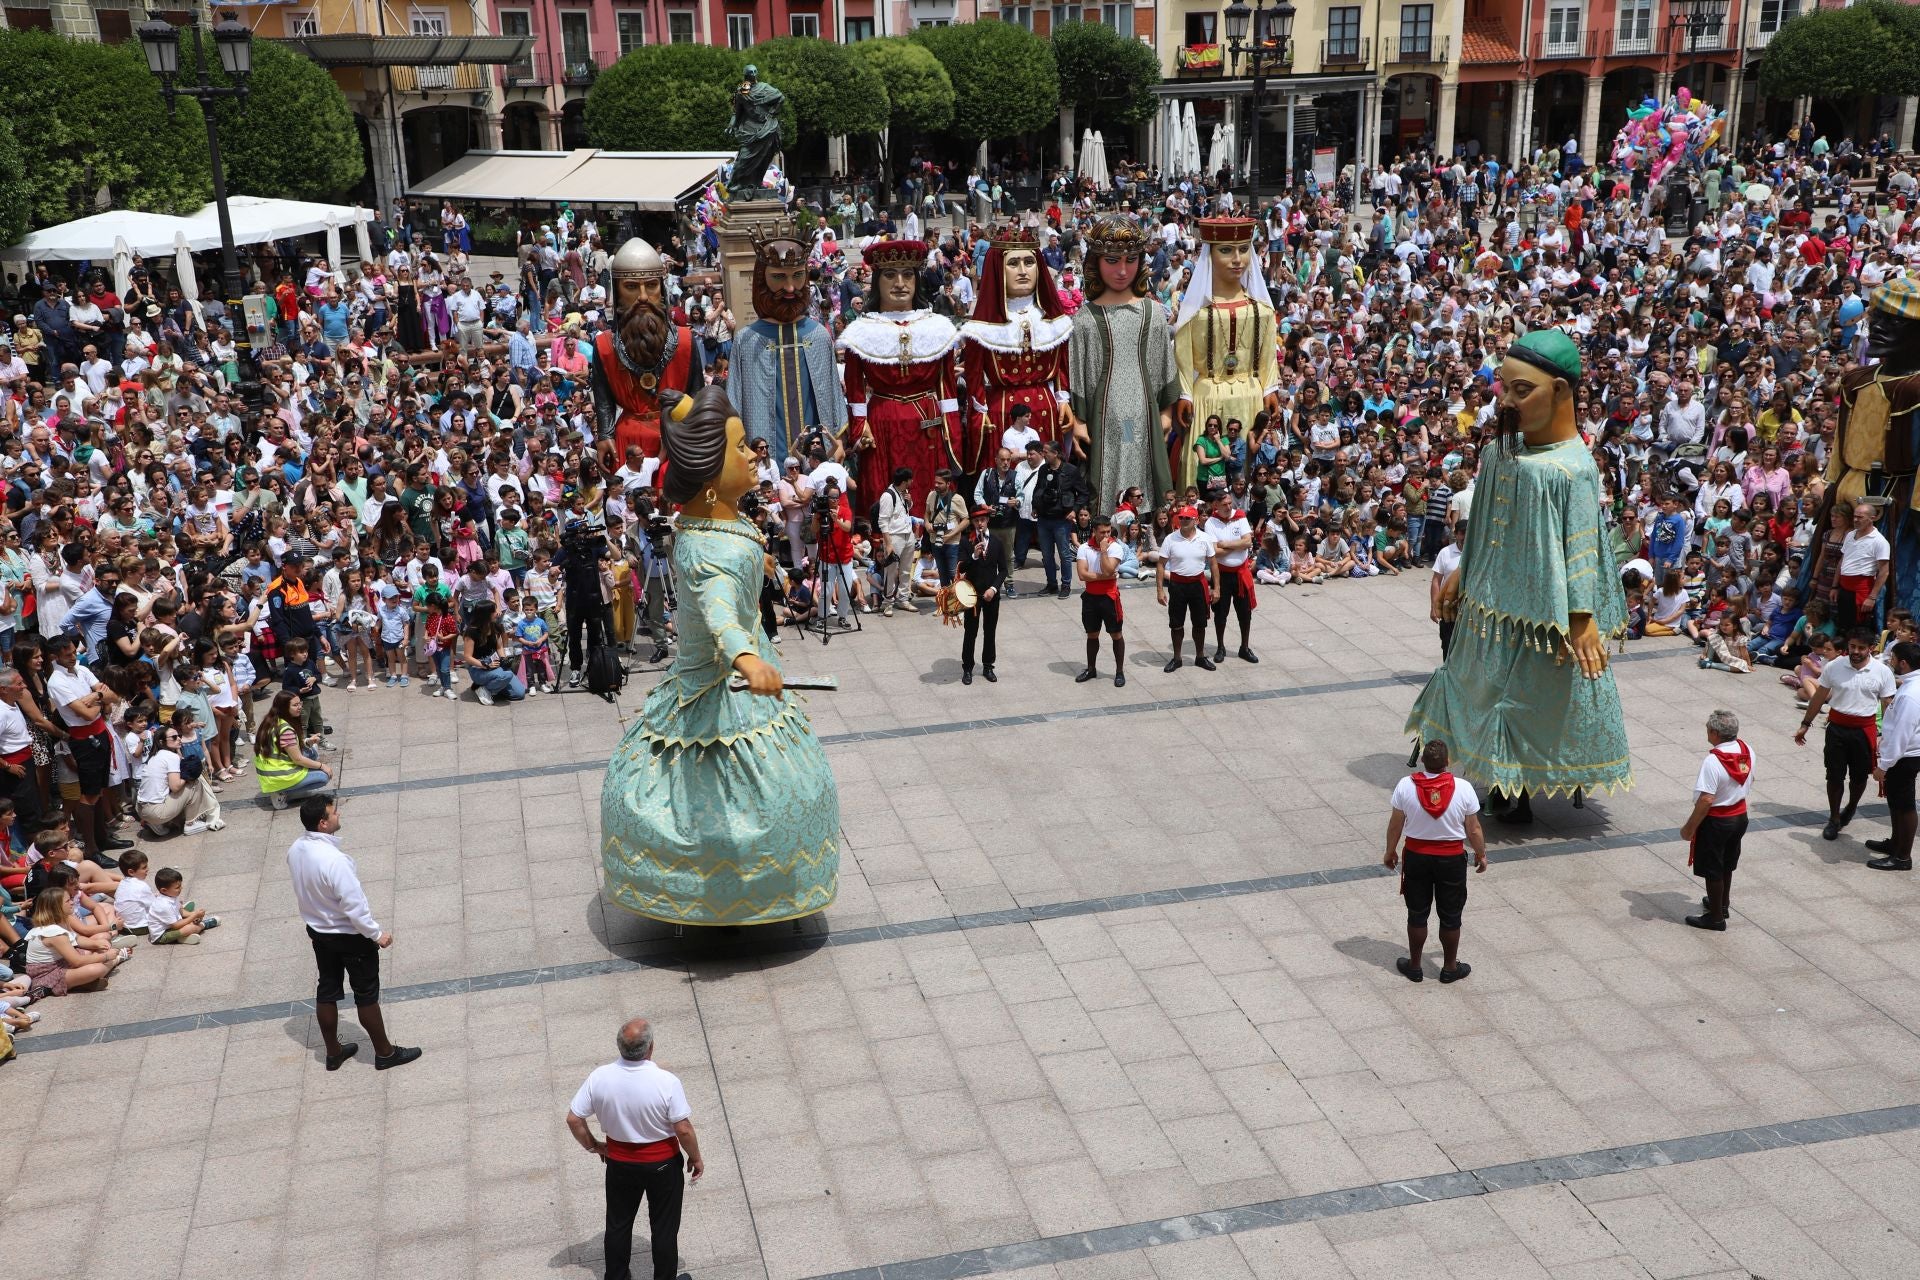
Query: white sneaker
point(217, 824)
point(486, 699)
point(193, 828)
point(533, 691)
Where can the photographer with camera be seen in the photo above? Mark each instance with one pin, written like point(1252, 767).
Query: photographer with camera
point(894, 522)
point(653, 537)
point(583, 555)
point(832, 517)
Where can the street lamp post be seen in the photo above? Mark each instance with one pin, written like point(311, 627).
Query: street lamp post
point(1275, 22)
point(1693, 17)
point(234, 41)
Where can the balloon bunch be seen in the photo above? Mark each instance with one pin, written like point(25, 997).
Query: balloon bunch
point(1680, 131)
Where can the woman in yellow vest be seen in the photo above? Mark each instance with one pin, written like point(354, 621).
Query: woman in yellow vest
point(285, 770)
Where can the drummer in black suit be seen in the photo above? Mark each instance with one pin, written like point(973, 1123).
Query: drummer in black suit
point(985, 570)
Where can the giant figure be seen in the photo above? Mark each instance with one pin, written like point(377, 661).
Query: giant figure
point(756, 123)
point(901, 380)
point(1014, 349)
point(784, 382)
point(643, 354)
point(1524, 699)
point(1123, 377)
point(1225, 339)
point(719, 807)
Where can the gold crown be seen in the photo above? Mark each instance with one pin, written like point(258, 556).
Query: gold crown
point(780, 245)
point(1117, 236)
point(1014, 236)
point(1226, 230)
point(896, 253)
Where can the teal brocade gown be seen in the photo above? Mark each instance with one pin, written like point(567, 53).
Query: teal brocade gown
point(719, 808)
point(1509, 701)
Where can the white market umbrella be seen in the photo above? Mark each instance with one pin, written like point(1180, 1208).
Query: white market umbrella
point(362, 241)
point(92, 238)
point(122, 265)
point(183, 271)
point(1216, 156)
point(1758, 192)
point(1170, 142)
point(333, 243)
point(1095, 161)
point(1085, 168)
point(1189, 142)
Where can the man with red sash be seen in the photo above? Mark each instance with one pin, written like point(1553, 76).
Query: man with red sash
point(16, 753)
point(1439, 815)
point(1098, 564)
point(1853, 692)
point(1898, 763)
point(1233, 555)
point(643, 352)
point(648, 1124)
point(1719, 819)
point(1185, 581)
point(1865, 558)
point(83, 703)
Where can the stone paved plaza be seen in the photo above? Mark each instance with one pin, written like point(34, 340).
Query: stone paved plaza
point(1107, 993)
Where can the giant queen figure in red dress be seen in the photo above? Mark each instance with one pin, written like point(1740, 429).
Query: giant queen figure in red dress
point(901, 378)
point(1014, 349)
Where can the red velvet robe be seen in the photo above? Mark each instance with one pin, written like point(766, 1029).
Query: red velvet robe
point(902, 387)
point(1023, 361)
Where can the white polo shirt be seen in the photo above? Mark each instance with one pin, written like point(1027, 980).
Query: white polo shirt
point(1861, 556)
point(634, 1101)
point(65, 687)
point(1856, 691)
point(1187, 556)
point(1715, 781)
point(1452, 822)
point(1230, 531)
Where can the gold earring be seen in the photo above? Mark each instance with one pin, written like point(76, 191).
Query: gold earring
point(712, 499)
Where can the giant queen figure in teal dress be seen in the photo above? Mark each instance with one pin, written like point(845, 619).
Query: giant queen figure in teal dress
point(1524, 700)
point(719, 807)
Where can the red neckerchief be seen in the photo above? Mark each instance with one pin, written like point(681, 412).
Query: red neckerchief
point(1435, 792)
point(1738, 762)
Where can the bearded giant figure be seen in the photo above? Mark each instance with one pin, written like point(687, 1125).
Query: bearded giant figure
point(783, 381)
point(901, 377)
point(642, 354)
point(1014, 349)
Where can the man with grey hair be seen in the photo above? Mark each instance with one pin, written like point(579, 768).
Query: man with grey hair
point(1719, 819)
point(648, 1124)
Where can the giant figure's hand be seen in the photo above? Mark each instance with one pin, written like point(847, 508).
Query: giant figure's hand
point(763, 678)
point(1588, 649)
point(1272, 402)
point(1449, 608)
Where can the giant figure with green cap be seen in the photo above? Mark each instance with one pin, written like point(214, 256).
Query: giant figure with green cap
point(1524, 700)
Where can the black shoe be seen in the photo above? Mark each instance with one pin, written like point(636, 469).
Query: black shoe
point(1881, 846)
point(325, 729)
point(1846, 816)
point(1460, 970)
point(1220, 653)
point(115, 842)
point(1832, 831)
point(966, 675)
point(1085, 676)
point(1203, 662)
point(659, 654)
point(1119, 679)
point(987, 671)
point(1065, 592)
point(1713, 924)
point(398, 1058)
point(1050, 589)
point(1409, 970)
point(346, 1051)
point(1173, 664)
point(1246, 654)
point(1892, 864)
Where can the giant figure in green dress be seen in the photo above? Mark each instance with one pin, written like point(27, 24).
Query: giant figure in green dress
point(1524, 700)
point(719, 807)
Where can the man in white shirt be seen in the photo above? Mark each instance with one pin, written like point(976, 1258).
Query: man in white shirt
point(1857, 690)
point(16, 752)
point(468, 309)
point(1865, 557)
point(1098, 565)
point(1445, 565)
point(1714, 829)
point(896, 526)
point(1439, 816)
point(1185, 579)
point(1233, 557)
point(82, 702)
point(347, 940)
point(648, 1123)
point(1898, 762)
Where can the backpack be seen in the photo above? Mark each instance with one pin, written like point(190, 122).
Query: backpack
point(605, 675)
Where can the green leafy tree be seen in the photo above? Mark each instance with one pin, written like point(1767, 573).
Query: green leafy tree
point(1873, 47)
point(93, 131)
point(16, 193)
point(1108, 78)
point(668, 97)
point(919, 92)
point(833, 91)
point(293, 136)
point(1004, 82)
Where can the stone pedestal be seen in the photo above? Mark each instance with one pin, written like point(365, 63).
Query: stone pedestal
point(736, 252)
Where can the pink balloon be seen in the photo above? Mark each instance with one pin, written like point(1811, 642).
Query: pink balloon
point(1685, 95)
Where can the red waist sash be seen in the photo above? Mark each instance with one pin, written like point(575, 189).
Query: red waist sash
point(1242, 573)
point(1734, 810)
point(642, 1152)
point(1103, 587)
point(93, 730)
point(1866, 724)
point(1438, 848)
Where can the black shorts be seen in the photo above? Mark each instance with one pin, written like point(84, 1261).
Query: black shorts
point(1432, 879)
point(349, 956)
point(91, 758)
point(1847, 752)
point(1716, 846)
point(1098, 611)
point(1900, 779)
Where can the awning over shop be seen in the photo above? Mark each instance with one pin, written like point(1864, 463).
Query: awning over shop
point(650, 180)
point(354, 50)
point(92, 238)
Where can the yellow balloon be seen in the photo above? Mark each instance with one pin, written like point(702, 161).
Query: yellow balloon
point(1713, 132)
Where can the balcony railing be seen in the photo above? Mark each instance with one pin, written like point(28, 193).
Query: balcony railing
point(578, 71)
point(1405, 49)
point(1703, 38)
point(1549, 47)
point(465, 77)
point(1353, 52)
point(1628, 44)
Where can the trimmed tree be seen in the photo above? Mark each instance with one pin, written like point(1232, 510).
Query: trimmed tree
point(93, 131)
point(16, 194)
point(833, 91)
point(1108, 78)
point(1873, 47)
point(293, 135)
point(666, 97)
point(1004, 81)
point(919, 92)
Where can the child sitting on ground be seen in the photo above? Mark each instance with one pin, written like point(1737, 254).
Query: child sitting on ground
point(168, 921)
point(1727, 647)
point(1805, 677)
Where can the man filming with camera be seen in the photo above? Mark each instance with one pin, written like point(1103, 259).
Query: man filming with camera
point(583, 554)
point(833, 521)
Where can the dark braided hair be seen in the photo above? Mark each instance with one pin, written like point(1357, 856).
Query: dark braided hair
point(696, 446)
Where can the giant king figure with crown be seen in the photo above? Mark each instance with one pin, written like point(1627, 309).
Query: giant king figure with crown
point(784, 382)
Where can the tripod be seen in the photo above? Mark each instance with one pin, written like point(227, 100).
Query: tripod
point(819, 623)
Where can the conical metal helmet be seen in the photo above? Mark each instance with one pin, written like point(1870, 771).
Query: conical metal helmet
point(638, 260)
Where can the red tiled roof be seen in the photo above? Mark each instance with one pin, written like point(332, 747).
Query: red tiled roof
point(1486, 40)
